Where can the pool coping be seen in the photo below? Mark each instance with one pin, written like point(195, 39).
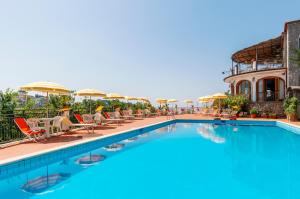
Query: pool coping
point(54, 149)
point(288, 126)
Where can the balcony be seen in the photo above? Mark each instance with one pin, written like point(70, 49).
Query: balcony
point(247, 68)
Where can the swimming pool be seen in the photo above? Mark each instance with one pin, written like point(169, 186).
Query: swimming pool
point(177, 159)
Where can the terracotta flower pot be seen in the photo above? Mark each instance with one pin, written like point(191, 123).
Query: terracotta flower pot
point(253, 115)
point(291, 117)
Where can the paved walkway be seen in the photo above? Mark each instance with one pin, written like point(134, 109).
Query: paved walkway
point(30, 148)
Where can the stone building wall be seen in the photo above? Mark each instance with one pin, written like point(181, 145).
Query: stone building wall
point(269, 107)
point(293, 69)
point(292, 38)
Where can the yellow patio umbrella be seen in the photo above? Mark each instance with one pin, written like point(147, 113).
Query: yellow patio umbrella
point(114, 96)
point(46, 87)
point(172, 100)
point(188, 101)
point(144, 99)
point(131, 98)
point(204, 98)
point(161, 101)
point(219, 96)
point(90, 93)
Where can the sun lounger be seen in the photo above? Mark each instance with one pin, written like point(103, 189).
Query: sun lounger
point(111, 117)
point(139, 113)
point(126, 115)
point(31, 134)
point(81, 124)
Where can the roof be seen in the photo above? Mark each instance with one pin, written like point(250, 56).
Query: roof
point(269, 51)
point(290, 22)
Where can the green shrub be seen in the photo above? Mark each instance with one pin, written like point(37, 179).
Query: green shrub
point(254, 111)
point(290, 105)
point(237, 102)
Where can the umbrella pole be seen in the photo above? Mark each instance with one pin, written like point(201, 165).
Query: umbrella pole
point(47, 104)
point(90, 104)
point(219, 106)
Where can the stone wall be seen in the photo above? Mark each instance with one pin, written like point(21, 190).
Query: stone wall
point(269, 107)
point(293, 69)
point(292, 37)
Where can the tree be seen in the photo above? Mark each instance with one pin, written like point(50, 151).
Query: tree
point(8, 101)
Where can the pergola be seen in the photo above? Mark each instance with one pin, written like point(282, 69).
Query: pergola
point(269, 51)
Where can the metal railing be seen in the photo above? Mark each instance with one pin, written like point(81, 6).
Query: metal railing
point(245, 68)
point(9, 132)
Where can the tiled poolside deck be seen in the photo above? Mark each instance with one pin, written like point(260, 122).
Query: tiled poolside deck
point(30, 148)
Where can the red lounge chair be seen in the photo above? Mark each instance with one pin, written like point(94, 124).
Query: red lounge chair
point(79, 118)
point(106, 115)
point(26, 130)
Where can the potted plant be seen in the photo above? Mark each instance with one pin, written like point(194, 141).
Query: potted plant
point(290, 108)
point(272, 116)
point(253, 112)
point(264, 115)
point(290, 112)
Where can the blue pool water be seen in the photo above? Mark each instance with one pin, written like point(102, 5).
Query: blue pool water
point(181, 160)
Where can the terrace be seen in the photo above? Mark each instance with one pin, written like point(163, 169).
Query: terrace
point(28, 149)
point(259, 72)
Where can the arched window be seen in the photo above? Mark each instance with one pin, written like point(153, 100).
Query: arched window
point(244, 88)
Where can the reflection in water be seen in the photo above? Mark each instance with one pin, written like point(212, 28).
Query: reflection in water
point(114, 147)
point(187, 125)
point(267, 156)
point(90, 159)
point(42, 184)
point(207, 131)
point(143, 135)
point(167, 129)
point(131, 139)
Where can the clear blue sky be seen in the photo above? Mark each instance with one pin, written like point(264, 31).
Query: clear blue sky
point(156, 48)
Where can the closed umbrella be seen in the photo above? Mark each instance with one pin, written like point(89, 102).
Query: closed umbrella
point(46, 87)
point(90, 93)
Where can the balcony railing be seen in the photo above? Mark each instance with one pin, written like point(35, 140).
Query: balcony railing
point(9, 131)
point(245, 68)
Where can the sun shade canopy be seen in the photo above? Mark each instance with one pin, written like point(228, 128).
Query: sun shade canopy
point(47, 87)
point(269, 51)
point(219, 96)
point(131, 98)
point(188, 101)
point(172, 100)
point(161, 100)
point(114, 96)
point(90, 92)
point(205, 98)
